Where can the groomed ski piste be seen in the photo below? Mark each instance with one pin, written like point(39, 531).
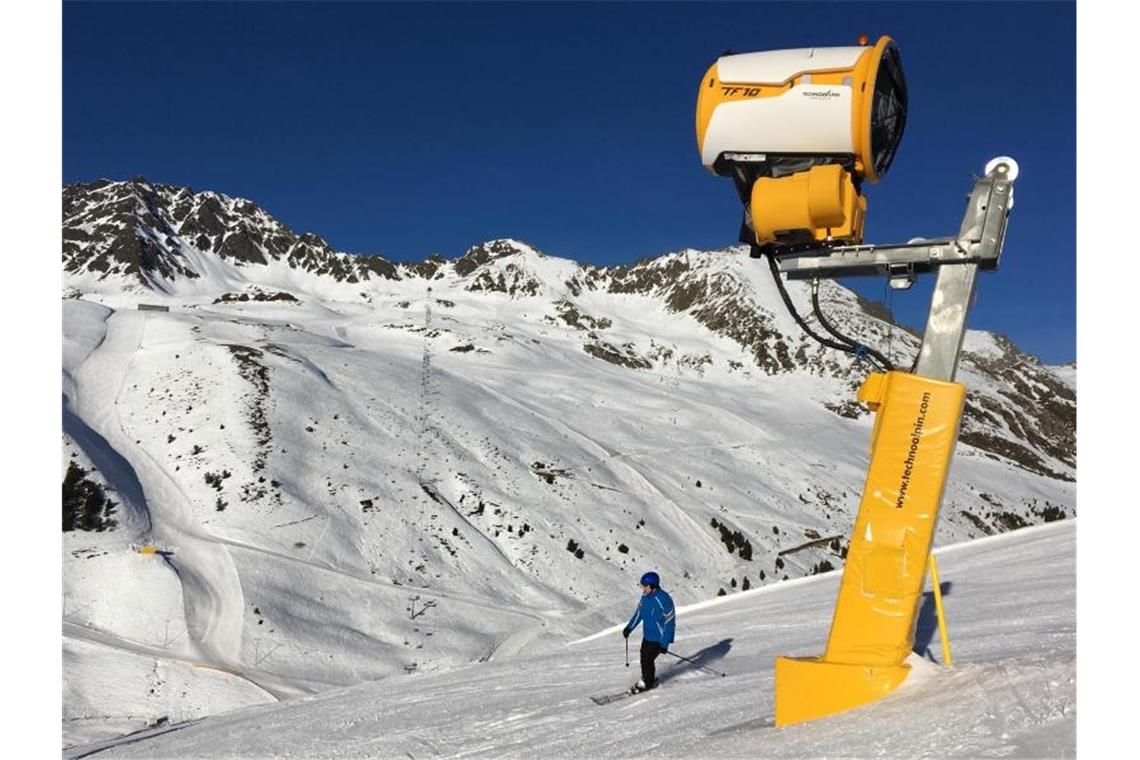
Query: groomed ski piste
point(1011, 691)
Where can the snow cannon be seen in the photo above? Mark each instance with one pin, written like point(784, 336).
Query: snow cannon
point(798, 131)
point(917, 418)
point(150, 548)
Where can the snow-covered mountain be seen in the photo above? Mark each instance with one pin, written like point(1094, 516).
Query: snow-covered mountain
point(352, 469)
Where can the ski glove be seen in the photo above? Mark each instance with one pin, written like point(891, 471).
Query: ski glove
point(625, 632)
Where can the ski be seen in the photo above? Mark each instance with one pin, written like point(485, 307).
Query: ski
point(605, 699)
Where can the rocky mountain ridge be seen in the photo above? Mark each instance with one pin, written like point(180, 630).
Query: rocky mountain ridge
point(148, 237)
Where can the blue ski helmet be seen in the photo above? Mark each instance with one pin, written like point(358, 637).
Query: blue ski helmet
point(651, 579)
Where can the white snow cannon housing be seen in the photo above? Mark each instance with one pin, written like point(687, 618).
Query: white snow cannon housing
point(798, 131)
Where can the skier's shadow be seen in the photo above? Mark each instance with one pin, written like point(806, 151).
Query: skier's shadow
point(927, 624)
point(699, 660)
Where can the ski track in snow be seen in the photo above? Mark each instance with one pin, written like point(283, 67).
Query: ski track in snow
point(349, 573)
point(1011, 692)
point(496, 550)
point(553, 422)
point(211, 588)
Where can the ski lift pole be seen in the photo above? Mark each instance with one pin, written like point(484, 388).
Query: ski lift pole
point(694, 662)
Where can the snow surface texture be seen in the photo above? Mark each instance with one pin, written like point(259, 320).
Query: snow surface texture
point(1010, 603)
point(352, 478)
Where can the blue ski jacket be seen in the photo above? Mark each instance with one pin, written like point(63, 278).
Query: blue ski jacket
point(656, 610)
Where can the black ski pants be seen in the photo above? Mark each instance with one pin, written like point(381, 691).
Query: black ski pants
point(649, 652)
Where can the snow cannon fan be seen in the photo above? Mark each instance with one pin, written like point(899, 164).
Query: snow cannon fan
point(799, 131)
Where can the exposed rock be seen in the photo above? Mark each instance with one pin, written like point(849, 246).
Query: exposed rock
point(256, 294)
point(144, 231)
point(623, 357)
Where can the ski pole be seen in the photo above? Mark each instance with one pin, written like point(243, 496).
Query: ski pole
point(627, 652)
point(702, 667)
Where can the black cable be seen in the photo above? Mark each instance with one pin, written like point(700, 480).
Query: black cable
point(796, 315)
point(823, 321)
point(883, 362)
point(847, 349)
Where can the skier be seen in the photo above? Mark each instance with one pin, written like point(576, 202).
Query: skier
point(657, 612)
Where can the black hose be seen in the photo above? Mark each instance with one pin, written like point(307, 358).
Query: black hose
point(883, 362)
point(844, 347)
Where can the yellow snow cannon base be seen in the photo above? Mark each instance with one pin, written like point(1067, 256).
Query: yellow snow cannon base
point(808, 687)
point(872, 632)
point(820, 204)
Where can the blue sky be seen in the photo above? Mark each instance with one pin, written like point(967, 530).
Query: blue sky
point(408, 129)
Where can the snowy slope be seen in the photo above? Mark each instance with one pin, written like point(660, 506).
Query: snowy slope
point(354, 474)
point(1011, 692)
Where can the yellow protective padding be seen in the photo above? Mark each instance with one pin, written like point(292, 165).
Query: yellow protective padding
point(809, 688)
point(821, 201)
point(872, 632)
point(916, 428)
